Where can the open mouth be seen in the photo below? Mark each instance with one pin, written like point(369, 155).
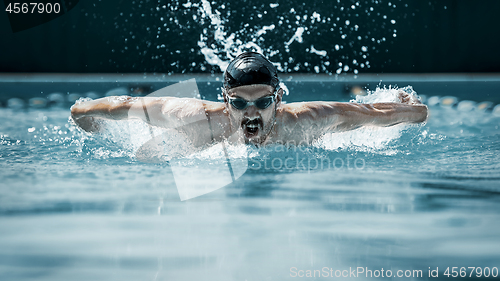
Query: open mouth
point(251, 127)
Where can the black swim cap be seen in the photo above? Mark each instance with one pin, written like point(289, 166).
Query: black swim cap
point(250, 68)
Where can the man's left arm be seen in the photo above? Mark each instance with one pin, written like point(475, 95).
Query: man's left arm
point(342, 116)
point(349, 116)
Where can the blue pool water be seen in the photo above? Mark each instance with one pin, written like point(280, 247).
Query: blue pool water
point(74, 207)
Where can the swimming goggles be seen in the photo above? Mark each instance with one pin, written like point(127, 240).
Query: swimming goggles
point(262, 103)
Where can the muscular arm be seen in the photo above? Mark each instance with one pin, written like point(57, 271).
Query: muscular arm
point(338, 116)
point(349, 116)
point(167, 112)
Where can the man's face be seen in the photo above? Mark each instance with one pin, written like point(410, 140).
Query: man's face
point(255, 123)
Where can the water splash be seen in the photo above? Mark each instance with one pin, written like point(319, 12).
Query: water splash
point(386, 94)
point(330, 37)
point(220, 46)
point(372, 139)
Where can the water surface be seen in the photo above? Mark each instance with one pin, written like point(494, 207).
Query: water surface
point(80, 208)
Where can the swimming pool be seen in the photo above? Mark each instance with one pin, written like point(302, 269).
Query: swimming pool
point(402, 198)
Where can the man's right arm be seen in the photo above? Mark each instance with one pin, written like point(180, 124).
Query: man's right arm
point(167, 112)
point(202, 121)
point(115, 108)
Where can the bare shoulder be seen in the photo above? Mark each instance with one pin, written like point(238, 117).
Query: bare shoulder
point(184, 108)
point(216, 111)
point(214, 107)
point(218, 118)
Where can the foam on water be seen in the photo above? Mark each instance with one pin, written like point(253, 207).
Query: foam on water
point(129, 136)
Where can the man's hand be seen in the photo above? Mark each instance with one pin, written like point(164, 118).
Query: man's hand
point(406, 98)
point(88, 124)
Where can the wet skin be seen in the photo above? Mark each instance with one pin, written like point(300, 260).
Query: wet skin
point(206, 122)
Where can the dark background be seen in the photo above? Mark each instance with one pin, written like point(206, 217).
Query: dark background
point(122, 36)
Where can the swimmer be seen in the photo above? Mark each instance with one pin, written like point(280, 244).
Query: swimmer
point(252, 108)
